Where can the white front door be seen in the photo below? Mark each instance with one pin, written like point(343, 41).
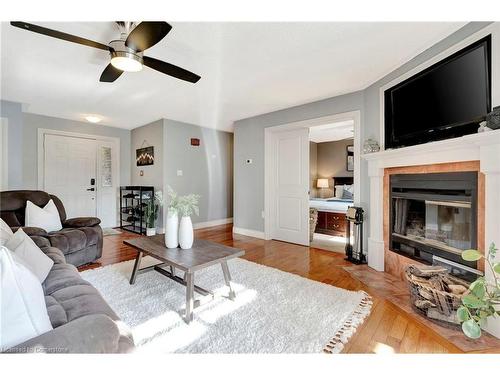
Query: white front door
point(70, 173)
point(290, 185)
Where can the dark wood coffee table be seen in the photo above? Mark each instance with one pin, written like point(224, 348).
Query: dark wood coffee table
point(203, 254)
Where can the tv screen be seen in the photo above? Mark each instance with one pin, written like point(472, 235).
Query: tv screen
point(445, 100)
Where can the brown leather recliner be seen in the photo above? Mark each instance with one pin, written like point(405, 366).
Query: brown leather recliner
point(80, 240)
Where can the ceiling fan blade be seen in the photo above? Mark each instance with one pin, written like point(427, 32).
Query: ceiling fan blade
point(59, 35)
point(146, 35)
point(171, 70)
point(110, 74)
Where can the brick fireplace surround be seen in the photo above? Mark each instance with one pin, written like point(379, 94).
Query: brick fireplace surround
point(475, 152)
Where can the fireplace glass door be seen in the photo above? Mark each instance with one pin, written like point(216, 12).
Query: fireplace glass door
point(434, 215)
point(445, 225)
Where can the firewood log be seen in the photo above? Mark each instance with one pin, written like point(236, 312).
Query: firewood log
point(436, 282)
point(421, 280)
point(442, 304)
point(457, 289)
point(426, 294)
point(427, 271)
point(424, 304)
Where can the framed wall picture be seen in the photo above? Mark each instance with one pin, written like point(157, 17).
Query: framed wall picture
point(350, 158)
point(145, 156)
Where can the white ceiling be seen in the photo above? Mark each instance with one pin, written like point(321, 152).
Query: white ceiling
point(332, 132)
point(247, 69)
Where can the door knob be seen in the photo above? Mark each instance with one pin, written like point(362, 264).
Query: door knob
point(91, 189)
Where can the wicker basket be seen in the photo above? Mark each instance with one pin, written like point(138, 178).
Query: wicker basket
point(441, 306)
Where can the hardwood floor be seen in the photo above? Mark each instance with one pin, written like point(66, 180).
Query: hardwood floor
point(387, 329)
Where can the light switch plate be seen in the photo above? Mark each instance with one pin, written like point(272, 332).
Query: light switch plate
point(179, 172)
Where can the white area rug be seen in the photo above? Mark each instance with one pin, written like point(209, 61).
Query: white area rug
point(274, 311)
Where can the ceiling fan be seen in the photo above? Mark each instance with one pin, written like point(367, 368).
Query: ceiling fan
point(127, 52)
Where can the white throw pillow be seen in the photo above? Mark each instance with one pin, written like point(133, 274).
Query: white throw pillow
point(5, 232)
point(348, 192)
point(23, 310)
point(31, 255)
point(339, 190)
point(46, 218)
point(349, 188)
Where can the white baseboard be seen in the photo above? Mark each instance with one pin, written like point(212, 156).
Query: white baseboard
point(212, 223)
point(249, 232)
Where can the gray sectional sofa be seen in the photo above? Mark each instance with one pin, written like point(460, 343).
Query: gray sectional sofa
point(83, 322)
point(80, 239)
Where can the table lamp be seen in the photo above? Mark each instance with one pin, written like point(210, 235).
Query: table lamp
point(322, 184)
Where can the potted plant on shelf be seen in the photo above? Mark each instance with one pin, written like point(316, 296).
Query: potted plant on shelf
point(151, 212)
point(187, 205)
point(483, 298)
point(172, 225)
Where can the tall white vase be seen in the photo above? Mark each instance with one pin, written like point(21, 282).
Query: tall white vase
point(186, 235)
point(172, 230)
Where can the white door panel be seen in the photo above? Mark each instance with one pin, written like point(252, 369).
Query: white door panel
point(290, 209)
point(69, 166)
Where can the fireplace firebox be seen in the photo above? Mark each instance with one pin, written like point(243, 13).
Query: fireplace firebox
point(433, 219)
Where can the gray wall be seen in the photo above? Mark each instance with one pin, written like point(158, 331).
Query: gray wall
point(148, 135)
point(23, 143)
point(31, 124)
point(331, 162)
point(372, 104)
point(249, 143)
point(313, 168)
point(14, 115)
point(207, 169)
point(249, 134)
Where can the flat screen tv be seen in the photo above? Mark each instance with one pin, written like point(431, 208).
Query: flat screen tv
point(446, 100)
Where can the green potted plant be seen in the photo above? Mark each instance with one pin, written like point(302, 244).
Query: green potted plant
point(483, 298)
point(151, 212)
point(187, 205)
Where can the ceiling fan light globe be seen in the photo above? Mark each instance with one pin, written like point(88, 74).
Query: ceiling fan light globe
point(126, 64)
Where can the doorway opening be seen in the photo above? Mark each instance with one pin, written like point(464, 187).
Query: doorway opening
point(291, 184)
point(331, 183)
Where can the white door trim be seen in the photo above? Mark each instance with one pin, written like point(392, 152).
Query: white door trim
point(40, 152)
point(4, 129)
point(269, 189)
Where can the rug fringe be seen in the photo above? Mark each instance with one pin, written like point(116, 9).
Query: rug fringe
point(336, 344)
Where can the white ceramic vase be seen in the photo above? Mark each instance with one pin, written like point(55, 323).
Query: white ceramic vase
point(186, 235)
point(172, 230)
point(150, 231)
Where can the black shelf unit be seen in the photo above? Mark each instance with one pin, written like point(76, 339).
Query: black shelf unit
point(133, 200)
